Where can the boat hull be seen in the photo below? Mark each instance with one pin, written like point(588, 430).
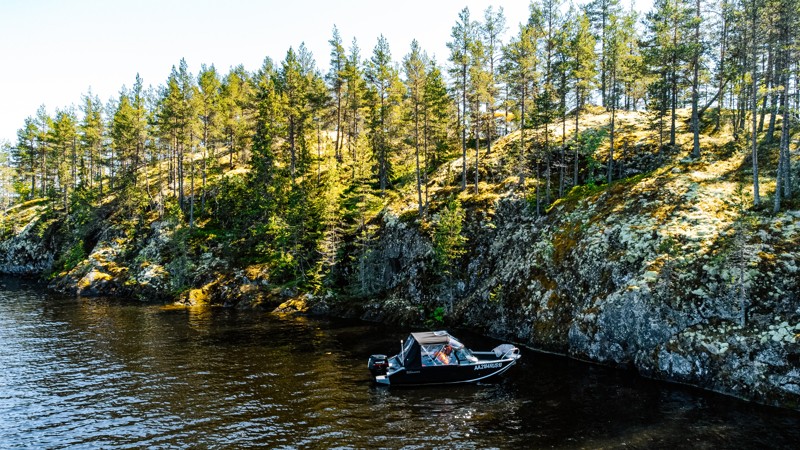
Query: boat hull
point(454, 374)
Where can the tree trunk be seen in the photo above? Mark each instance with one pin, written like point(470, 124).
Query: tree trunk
point(477, 147)
point(769, 84)
point(292, 149)
point(603, 58)
point(205, 158)
point(777, 76)
point(611, 134)
point(338, 144)
point(782, 177)
point(674, 105)
point(191, 183)
point(464, 126)
point(718, 95)
point(427, 162)
point(695, 86)
point(416, 155)
point(547, 162)
point(521, 158)
point(722, 79)
point(577, 136)
point(756, 194)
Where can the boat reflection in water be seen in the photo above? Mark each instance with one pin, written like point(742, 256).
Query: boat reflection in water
point(436, 357)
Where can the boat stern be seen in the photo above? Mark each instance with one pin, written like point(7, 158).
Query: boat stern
point(378, 365)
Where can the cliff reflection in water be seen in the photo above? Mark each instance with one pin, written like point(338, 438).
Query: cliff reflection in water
point(108, 373)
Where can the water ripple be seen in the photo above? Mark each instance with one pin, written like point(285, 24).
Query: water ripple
point(105, 373)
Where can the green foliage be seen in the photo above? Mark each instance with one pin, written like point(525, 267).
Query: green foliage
point(436, 317)
point(72, 257)
point(448, 242)
point(668, 246)
point(579, 192)
point(293, 174)
point(172, 210)
point(82, 206)
point(22, 189)
point(590, 141)
point(235, 205)
point(180, 265)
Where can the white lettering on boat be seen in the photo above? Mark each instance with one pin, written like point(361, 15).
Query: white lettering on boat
point(488, 366)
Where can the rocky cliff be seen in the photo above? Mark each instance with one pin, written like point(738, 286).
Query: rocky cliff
point(665, 273)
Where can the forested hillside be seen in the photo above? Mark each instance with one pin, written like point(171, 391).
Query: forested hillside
point(279, 163)
point(598, 182)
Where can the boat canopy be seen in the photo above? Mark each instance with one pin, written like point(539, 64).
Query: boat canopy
point(431, 337)
point(420, 348)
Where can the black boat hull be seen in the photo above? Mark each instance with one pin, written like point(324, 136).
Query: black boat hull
point(452, 374)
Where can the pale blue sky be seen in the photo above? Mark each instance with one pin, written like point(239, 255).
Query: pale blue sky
point(53, 51)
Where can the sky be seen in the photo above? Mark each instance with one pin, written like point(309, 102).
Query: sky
point(54, 51)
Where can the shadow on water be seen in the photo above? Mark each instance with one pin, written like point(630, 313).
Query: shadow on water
point(110, 373)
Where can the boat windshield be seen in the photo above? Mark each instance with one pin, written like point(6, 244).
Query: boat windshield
point(451, 353)
point(408, 346)
point(465, 356)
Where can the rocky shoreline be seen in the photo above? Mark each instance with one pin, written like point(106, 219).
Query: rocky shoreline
point(582, 281)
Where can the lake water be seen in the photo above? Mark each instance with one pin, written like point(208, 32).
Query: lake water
point(101, 373)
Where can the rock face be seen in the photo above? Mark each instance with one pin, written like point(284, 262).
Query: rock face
point(626, 278)
point(29, 252)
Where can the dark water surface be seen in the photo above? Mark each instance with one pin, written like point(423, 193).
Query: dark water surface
point(89, 373)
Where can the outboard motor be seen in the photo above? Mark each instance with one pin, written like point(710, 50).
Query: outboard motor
point(378, 364)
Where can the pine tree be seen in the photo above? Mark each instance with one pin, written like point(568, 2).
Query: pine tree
point(563, 70)
point(547, 98)
point(26, 155)
point(44, 127)
point(463, 34)
point(600, 13)
point(268, 110)
point(437, 116)
point(209, 88)
point(480, 93)
point(355, 88)
point(64, 143)
point(140, 119)
point(294, 89)
point(178, 119)
point(667, 52)
point(122, 133)
point(336, 80)
point(236, 120)
point(386, 94)
point(788, 20)
point(91, 139)
point(520, 66)
point(621, 30)
point(492, 28)
point(753, 11)
point(696, 49)
point(414, 67)
point(582, 45)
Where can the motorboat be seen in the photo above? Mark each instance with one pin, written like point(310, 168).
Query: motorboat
point(436, 357)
